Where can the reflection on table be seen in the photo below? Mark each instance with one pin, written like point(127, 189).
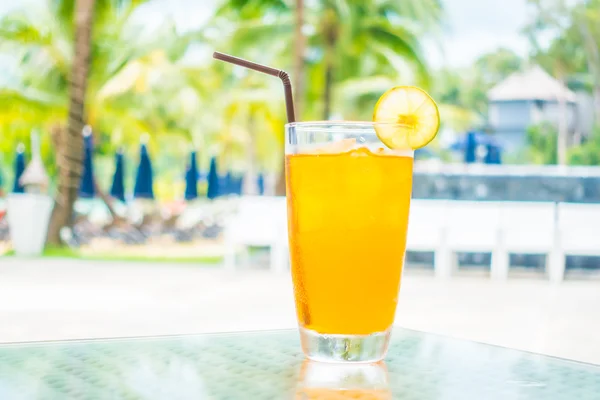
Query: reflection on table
point(269, 365)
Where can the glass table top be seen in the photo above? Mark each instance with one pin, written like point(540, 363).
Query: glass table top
point(270, 365)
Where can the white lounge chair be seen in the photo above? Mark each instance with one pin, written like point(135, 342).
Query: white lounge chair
point(259, 221)
point(471, 227)
point(426, 226)
point(578, 234)
point(526, 228)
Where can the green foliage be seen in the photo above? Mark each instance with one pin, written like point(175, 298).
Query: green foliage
point(373, 39)
point(69, 253)
point(587, 153)
point(573, 54)
point(542, 144)
point(139, 83)
point(135, 77)
point(542, 147)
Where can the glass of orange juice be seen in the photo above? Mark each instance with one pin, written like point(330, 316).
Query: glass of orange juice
point(348, 202)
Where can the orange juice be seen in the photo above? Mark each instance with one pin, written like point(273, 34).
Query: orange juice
point(348, 216)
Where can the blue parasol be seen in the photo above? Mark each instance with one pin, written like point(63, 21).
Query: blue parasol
point(19, 169)
point(117, 190)
point(472, 141)
point(260, 182)
point(493, 155)
point(233, 184)
point(229, 183)
point(213, 180)
point(471, 148)
point(143, 188)
point(86, 185)
point(191, 178)
point(480, 139)
point(238, 184)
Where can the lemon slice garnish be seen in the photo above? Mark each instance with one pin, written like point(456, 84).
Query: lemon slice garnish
point(406, 118)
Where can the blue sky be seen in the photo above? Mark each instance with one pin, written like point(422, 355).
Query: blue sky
point(473, 27)
point(479, 26)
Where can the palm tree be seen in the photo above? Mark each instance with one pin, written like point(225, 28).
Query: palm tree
point(69, 143)
point(299, 54)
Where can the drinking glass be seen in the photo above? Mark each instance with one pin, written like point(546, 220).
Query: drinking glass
point(348, 201)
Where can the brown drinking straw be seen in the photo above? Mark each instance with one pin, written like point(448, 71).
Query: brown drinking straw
point(285, 78)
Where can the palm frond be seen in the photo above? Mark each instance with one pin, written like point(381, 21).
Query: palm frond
point(255, 34)
point(400, 46)
point(20, 32)
point(357, 87)
point(29, 97)
point(249, 9)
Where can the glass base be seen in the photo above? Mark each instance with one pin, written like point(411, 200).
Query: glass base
point(345, 348)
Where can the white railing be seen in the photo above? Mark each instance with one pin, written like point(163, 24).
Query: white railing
point(446, 227)
point(504, 228)
point(259, 221)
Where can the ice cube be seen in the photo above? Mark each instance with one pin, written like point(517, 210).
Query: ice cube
point(360, 151)
point(342, 146)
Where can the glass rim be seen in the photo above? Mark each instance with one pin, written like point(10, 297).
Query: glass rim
point(343, 123)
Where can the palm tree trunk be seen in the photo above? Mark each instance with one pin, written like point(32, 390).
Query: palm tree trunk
point(563, 129)
point(250, 186)
point(593, 61)
point(280, 184)
point(328, 83)
point(330, 34)
point(69, 143)
point(299, 49)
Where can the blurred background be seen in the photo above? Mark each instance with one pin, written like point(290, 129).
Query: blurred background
point(153, 150)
